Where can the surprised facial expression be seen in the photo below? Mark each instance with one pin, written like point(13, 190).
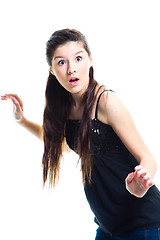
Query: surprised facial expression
point(70, 65)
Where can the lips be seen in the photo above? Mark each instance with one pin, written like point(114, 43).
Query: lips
point(73, 81)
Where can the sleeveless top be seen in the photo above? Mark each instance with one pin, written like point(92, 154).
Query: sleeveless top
point(115, 209)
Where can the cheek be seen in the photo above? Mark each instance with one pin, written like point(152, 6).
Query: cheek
point(60, 73)
point(84, 69)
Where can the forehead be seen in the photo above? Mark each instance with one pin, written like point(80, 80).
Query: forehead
point(69, 49)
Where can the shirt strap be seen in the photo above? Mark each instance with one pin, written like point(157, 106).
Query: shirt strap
point(96, 111)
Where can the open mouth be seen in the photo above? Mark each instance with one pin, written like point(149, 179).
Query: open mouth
point(73, 81)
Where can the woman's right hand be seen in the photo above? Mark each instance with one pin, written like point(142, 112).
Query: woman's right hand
point(17, 106)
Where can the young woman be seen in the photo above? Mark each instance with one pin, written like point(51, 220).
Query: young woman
point(117, 167)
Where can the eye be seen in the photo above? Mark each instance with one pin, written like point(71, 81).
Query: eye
point(61, 62)
point(78, 59)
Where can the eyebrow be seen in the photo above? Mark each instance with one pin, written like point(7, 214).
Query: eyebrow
point(74, 54)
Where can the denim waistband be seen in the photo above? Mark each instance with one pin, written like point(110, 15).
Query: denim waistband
point(146, 234)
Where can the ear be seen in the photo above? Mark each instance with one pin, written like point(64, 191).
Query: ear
point(51, 70)
point(91, 61)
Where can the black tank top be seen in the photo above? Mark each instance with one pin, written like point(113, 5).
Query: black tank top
point(115, 209)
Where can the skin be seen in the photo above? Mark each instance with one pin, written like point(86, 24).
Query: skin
point(71, 60)
point(113, 112)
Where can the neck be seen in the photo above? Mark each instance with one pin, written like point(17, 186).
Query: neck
point(77, 99)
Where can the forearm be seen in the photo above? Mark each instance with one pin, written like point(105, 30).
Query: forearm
point(32, 127)
point(150, 164)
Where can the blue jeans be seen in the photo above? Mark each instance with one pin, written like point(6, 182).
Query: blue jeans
point(148, 234)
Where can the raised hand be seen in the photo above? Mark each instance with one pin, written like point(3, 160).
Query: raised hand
point(17, 105)
point(138, 182)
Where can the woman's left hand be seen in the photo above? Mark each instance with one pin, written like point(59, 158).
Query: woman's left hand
point(138, 182)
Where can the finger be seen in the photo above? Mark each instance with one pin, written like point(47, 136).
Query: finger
point(16, 103)
point(149, 184)
point(3, 97)
point(10, 96)
point(142, 172)
point(19, 101)
point(130, 177)
point(147, 177)
point(152, 183)
point(137, 168)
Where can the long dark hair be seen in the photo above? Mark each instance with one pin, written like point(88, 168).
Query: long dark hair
point(57, 109)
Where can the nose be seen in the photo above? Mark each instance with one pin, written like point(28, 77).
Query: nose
point(71, 68)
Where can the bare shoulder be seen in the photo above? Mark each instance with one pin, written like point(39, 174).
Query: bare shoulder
point(111, 107)
point(114, 113)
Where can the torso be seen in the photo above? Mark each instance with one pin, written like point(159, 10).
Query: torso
point(112, 162)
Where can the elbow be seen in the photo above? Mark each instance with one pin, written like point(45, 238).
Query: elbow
point(149, 162)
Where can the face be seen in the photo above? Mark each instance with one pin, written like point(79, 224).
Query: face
point(70, 65)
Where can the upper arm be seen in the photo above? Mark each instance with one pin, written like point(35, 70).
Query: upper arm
point(65, 147)
point(118, 116)
point(41, 133)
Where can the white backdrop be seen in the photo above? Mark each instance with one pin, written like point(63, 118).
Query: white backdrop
point(124, 39)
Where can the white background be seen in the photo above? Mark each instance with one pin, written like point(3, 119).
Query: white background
point(124, 39)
